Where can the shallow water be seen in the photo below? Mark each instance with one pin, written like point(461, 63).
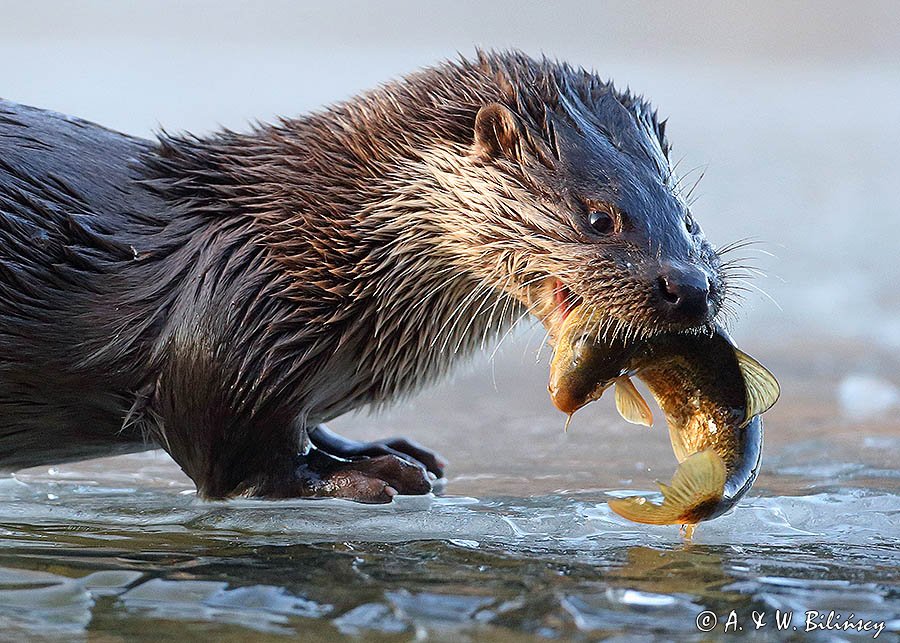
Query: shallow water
point(122, 559)
point(104, 559)
point(801, 151)
point(515, 548)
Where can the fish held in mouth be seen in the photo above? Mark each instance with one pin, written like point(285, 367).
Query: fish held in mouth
point(712, 395)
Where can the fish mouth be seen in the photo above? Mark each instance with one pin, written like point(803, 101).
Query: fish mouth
point(711, 393)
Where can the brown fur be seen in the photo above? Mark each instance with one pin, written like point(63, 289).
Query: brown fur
point(260, 284)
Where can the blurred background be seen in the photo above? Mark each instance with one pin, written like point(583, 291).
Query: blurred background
point(790, 110)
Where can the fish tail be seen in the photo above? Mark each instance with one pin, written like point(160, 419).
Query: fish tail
point(696, 488)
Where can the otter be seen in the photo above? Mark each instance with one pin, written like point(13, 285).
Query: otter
point(223, 297)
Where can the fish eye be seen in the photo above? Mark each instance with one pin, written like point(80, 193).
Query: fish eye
point(600, 221)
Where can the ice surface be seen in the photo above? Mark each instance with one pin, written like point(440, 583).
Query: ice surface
point(451, 565)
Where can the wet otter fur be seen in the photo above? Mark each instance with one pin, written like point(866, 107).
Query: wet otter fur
point(222, 297)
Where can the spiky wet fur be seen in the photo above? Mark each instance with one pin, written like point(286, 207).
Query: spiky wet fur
point(221, 294)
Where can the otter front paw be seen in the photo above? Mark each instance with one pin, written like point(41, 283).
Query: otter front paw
point(375, 480)
point(317, 474)
point(408, 450)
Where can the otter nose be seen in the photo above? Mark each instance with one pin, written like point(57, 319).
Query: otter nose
point(683, 293)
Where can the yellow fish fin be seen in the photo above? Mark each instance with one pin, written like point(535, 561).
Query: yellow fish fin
point(679, 443)
point(630, 404)
point(762, 387)
point(698, 484)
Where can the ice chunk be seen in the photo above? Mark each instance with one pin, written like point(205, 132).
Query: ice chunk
point(370, 616)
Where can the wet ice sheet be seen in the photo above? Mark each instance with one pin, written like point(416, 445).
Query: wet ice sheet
point(857, 516)
point(549, 566)
point(125, 546)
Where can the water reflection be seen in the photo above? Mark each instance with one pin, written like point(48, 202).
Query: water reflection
point(691, 569)
point(546, 566)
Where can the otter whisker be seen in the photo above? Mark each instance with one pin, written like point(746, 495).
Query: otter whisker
point(742, 269)
point(457, 314)
point(518, 320)
point(529, 309)
point(493, 302)
point(765, 294)
point(488, 301)
point(673, 169)
point(509, 330)
point(690, 192)
point(739, 261)
point(748, 243)
point(503, 303)
point(485, 283)
point(678, 187)
point(439, 285)
point(571, 298)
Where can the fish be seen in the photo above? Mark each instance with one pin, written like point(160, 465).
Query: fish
point(712, 395)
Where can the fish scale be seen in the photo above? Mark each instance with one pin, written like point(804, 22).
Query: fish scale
point(711, 393)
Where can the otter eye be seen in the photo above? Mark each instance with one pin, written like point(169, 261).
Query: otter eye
point(689, 223)
point(600, 221)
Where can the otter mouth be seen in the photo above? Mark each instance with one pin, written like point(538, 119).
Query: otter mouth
point(566, 301)
point(551, 301)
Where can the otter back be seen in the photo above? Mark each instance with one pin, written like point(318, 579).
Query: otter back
point(66, 191)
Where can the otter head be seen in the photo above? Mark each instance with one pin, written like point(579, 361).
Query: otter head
point(606, 225)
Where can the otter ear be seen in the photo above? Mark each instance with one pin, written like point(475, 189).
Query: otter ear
point(497, 132)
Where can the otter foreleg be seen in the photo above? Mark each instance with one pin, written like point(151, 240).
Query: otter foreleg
point(264, 454)
point(342, 447)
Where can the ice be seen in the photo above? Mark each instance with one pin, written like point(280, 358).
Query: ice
point(551, 565)
point(608, 611)
point(261, 607)
point(269, 599)
point(56, 610)
point(434, 606)
point(582, 520)
point(557, 565)
point(157, 592)
point(109, 582)
point(371, 616)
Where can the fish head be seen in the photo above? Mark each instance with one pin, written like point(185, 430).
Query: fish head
point(584, 366)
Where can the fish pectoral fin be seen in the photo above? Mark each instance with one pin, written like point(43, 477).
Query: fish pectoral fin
point(696, 487)
point(762, 387)
point(630, 404)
